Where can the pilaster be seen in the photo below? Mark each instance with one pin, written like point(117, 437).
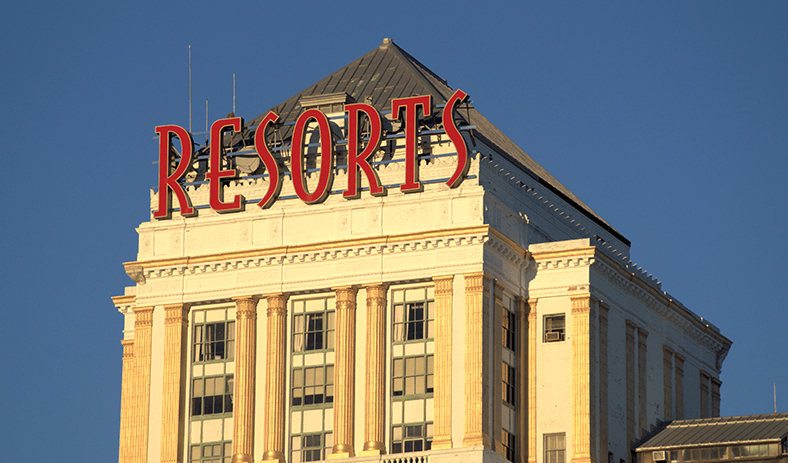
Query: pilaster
point(604, 438)
point(442, 395)
point(583, 380)
point(715, 397)
point(705, 377)
point(497, 366)
point(176, 322)
point(533, 335)
point(243, 396)
point(667, 382)
point(143, 325)
point(126, 400)
point(642, 382)
point(630, 391)
point(679, 386)
point(345, 377)
point(275, 373)
point(522, 312)
point(375, 382)
point(477, 296)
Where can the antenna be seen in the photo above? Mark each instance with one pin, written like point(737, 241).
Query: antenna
point(233, 93)
point(190, 89)
point(775, 396)
point(206, 121)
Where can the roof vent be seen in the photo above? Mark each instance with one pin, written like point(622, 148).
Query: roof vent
point(329, 102)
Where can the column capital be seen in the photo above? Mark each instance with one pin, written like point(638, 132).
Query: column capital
point(143, 316)
point(176, 313)
point(277, 303)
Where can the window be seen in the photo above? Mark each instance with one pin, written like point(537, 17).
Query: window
point(310, 447)
point(313, 385)
point(508, 384)
point(414, 321)
point(508, 441)
point(555, 448)
point(412, 367)
point(212, 396)
point(413, 376)
point(411, 438)
point(312, 379)
point(509, 324)
point(218, 452)
point(214, 341)
point(554, 328)
point(313, 325)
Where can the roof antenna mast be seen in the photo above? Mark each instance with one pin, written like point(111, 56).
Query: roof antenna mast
point(775, 396)
point(233, 94)
point(190, 89)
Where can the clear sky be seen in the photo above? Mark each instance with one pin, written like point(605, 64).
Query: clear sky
point(669, 119)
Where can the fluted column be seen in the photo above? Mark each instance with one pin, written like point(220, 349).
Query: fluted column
point(704, 394)
point(715, 397)
point(604, 437)
point(522, 333)
point(176, 322)
point(667, 382)
point(583, 380)
point(143, 324)
point(679, 386)
point(375, 383)
point(243, 396)
point(642, 382)
point(344, 368)
point(477, 391)
point(630, 382)
point(275, 373)
point(533, 335)
point(442, 395)
point(497, 367)
point(126, 400)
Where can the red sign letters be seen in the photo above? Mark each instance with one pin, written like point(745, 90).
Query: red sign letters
point(404, 109)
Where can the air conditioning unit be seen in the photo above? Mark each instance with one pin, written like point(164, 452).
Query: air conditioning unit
point(552, 336)
point(659, 455)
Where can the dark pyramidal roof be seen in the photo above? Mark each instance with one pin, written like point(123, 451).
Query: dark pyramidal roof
point(726, 430)
point(389, 72)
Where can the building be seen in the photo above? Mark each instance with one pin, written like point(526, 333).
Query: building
point(732, 438)
point(418, 284)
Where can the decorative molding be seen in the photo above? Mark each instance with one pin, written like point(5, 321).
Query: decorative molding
point(375, 382)
point(443, 343)
point(344, 372)
point(275, 373)
point(176, 322)
point(244, 394)
point(326, 251)
point(477, 297)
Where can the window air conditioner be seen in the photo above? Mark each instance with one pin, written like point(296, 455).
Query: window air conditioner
point(659, 455)
point(552, 336)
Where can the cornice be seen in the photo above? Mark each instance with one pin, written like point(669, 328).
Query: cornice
point(325, 251)
point(565, 258)
point(663, 304)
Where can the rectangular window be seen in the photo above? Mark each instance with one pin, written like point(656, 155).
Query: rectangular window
point(555, 448)
point(413, 375)
point(554, 328)
point(310, 447)
point(212, 396)
point(414, 321)
point(313, 325)
point(313, 385)
point(411, 438)
point(509, 324)
point(508, 441)
point(508, 384)
point(214, 341)
point(217, 452)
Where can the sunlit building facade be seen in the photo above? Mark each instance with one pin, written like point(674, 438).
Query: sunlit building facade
point(439, 311)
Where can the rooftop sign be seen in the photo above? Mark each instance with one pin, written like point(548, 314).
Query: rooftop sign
point(405, 109)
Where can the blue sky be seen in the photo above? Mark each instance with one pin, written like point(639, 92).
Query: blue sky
point(669, 119)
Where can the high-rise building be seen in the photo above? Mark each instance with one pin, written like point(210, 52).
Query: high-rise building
point(372, 270)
